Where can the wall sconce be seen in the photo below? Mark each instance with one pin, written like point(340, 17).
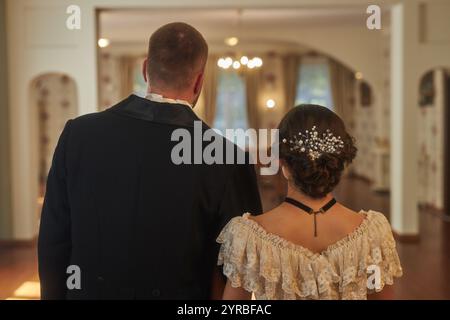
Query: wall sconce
point(270, 103)
point(103, 42)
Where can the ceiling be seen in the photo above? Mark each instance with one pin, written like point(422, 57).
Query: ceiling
point(128, 29)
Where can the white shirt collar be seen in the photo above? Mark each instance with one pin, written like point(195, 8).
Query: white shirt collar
point(159, 98)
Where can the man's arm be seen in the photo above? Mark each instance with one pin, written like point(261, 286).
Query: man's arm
point(241, 195)
point(54, 244)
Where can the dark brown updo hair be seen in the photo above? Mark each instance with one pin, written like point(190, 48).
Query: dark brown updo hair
point(315, 178)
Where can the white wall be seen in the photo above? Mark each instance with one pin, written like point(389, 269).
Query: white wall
point(413, 52)
point(38, 43)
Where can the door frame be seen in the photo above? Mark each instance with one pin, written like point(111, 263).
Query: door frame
point(446, 143)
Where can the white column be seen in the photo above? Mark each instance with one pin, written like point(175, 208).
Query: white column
point(404, 93)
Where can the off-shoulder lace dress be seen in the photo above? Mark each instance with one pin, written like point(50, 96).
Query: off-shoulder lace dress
point(274, 268)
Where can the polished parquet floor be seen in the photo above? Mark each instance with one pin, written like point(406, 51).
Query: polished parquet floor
point(18, 273)
point(426, 263)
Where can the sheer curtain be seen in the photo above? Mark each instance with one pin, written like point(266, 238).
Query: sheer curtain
point(252, 87)
point(342, 89)
point(291, 71)
point(127, 65)
point(209, 91)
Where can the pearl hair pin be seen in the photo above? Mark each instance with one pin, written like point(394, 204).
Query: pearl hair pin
point(314, 145)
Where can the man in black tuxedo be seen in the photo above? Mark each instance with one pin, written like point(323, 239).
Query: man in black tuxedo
point(118, 209)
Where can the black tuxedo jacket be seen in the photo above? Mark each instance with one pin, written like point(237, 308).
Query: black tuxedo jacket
point(137, 225)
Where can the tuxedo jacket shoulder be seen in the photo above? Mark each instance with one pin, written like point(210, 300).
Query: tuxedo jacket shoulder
point(138, 225)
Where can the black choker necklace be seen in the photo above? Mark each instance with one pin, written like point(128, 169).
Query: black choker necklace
point(309, 210)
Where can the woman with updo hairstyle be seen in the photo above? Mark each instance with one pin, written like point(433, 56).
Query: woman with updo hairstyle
point(315, 178)
point(310, 246)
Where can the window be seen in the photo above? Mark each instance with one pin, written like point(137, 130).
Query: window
point(231, 110)
point(314, 82)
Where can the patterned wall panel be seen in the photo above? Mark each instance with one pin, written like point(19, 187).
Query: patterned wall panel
point(55, 98)
point(431, 144)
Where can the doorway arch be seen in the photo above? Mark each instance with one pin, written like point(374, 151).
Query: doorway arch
point(433, 123)
point(53, 101)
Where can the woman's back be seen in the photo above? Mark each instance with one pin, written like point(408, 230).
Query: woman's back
point(273, 267)
point(290, 223)
point(310, 247)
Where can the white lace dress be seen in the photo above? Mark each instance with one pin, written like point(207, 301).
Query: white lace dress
point(274, 268)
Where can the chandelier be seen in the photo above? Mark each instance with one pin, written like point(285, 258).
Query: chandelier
point(244, 61)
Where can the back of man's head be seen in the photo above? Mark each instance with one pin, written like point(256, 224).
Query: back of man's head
point(177, 52)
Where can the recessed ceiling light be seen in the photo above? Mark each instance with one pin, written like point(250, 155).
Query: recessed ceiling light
point(231, 41)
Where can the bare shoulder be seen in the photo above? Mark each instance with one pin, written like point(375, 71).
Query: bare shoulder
point(350, 215)
point(268, 217)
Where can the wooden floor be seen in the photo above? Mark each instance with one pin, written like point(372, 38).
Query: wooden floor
point(426, 263)
point(18, 269)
